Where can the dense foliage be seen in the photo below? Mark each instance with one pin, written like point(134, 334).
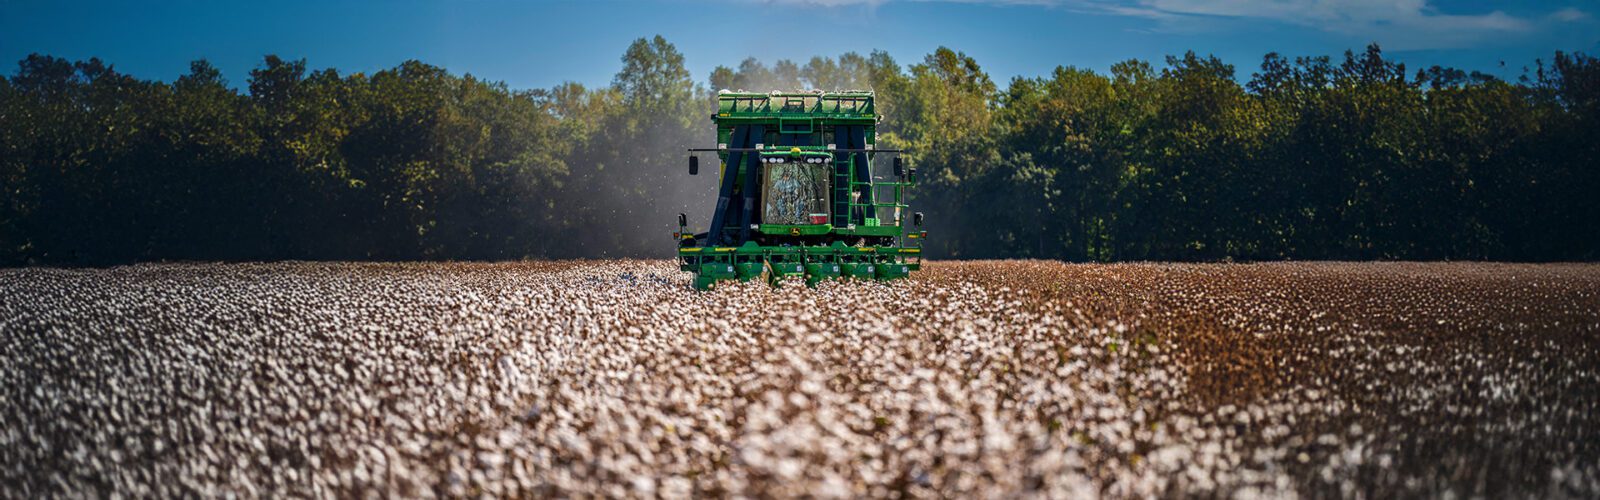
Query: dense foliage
point(1307, 159)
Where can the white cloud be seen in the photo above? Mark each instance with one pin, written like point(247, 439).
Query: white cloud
point(1347, 15)
point(1398, 24)
point(1569, 14)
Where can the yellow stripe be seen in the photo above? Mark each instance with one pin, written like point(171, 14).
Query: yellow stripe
point(725, 249)
point(911, 250)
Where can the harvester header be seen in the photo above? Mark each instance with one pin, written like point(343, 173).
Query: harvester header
point(798, 194)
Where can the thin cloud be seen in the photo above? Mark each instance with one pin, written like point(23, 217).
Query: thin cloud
point(1349, 15)
point(1398, 24)
point(1570, 15)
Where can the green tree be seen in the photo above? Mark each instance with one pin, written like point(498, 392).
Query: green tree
point(1308, 159)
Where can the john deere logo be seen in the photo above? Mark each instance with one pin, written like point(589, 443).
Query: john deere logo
point(794, 231)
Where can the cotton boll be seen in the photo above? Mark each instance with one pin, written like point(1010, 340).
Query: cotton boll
point(970, 379)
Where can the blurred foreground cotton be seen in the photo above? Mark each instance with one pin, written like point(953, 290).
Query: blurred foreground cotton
point(971, 379)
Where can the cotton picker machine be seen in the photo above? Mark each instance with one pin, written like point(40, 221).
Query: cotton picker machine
point(798, 195)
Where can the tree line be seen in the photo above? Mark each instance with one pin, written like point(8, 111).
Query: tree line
point(1310, 158)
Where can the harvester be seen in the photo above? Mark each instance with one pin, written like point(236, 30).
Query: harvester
point(798, 195)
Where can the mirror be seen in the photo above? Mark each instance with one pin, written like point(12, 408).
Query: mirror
point(899, 168)
point(694, 165)
point(916, 218)
point(683, 220)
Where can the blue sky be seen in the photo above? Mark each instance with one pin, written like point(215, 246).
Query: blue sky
point(539, 44)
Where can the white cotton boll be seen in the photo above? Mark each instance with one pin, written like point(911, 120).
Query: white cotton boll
point(610, 378)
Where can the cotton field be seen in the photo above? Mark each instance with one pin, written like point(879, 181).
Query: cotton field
point(973, 379)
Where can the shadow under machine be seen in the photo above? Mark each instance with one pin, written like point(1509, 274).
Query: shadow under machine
point(798, 194)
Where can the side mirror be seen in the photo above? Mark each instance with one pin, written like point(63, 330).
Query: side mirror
point(694, 166)
point(899, 168)
point(916, 219)
point(683, 220)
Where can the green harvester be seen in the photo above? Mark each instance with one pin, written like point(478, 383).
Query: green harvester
point(798, 196)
